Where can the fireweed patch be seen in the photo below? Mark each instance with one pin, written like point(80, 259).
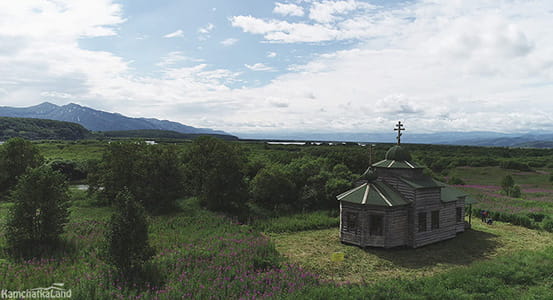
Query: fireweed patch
point(204, 256)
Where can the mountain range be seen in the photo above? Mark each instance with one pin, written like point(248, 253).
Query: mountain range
point(97, 120)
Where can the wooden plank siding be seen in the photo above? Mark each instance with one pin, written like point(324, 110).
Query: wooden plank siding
point(447, 224)
point(396, 173)
point(427, 197)
point(350, 237)
point(396, 230)
point(373, 240)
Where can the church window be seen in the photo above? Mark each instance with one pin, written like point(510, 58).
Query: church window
point(435, 219)
point(422, 221)
point(376, 225)
point(459, 214)
point(352, 222)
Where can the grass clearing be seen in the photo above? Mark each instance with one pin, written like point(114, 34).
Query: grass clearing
point(313, 250)
point(299, 222)
point(70, 150)
point(493, 176)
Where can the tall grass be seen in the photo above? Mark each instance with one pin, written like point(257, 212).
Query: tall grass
point(299, 222)
point(198, 256)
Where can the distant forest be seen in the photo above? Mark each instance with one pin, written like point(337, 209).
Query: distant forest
point(160, 134)
point(39, 129)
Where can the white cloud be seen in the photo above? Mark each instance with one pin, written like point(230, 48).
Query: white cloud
point(328, 11)
point(271, 54)
point(282, 31)
point(288, 9)
point(175, 34)
point(334, 20)
point(278, 102)
point(206, 29)
point(229, 42)
point(259, 67)
point(87, 18)
point(175, 57)
point(56, 95)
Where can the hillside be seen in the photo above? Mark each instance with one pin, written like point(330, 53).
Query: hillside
point(37, 129)
point(97, 120)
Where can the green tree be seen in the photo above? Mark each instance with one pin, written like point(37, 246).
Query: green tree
point(127, 242)
point(163, 177)
point(515, 191)
point(215, 172)
point(152, 173)
point(509, 187)
point(272, 189)
point(39, 213)
point(16, 155)
point(507, 183)
point(334, 187)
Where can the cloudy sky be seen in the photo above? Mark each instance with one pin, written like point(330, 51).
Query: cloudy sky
point(296, 65)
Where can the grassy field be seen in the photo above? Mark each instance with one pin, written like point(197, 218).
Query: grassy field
point(72, 150)
point(313, 250)
point(484, 184)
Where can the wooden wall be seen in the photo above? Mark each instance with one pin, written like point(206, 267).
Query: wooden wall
point(396, 229)
point(447, 224)
point(395, 173)
point(348, 237)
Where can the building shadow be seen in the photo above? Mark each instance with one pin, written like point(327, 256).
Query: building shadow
point(467, 247)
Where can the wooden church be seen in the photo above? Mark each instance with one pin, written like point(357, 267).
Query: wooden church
point(398, 205)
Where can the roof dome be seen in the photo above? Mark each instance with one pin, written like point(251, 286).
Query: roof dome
point(398, 153)
point(369, 175)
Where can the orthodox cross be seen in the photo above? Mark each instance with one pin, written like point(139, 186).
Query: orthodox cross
point(399, 129)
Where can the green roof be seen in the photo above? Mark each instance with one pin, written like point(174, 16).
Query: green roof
point(449, 194)
point(397, 157)
point(373, 193)
point(470, 200)
point(424, 182)
point(398, 153)
point(396, 164)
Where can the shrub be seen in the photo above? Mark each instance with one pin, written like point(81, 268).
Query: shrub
point(548, 224)
point(537, 217)
point(127, 238)
point(16, 155)
point(71, 169)
point(514, 191)
point(456, 180)
point(39, 213)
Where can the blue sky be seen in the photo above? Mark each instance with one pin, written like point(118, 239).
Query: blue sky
point(292, 65)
